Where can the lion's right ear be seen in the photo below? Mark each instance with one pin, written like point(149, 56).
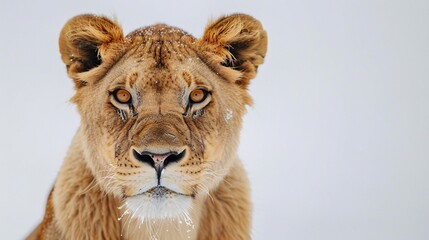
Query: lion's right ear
point(84, 42)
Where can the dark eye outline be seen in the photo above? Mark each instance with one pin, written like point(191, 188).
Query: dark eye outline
point(205, 92)
point(115, 92)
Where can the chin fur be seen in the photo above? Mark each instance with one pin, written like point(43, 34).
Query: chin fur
point(153, 205)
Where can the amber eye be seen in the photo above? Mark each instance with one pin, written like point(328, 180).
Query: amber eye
point(197, 95)
point(122, 96)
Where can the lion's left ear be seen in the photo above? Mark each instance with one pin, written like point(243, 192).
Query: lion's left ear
point(240, 44)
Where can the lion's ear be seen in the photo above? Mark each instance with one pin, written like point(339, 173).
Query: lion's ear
point(84, 41)
point(240, 41)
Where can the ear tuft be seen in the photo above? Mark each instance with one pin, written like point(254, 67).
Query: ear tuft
point(83, 43)
point(241, 43)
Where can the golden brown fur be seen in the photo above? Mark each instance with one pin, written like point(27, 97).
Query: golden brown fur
point(128, 153)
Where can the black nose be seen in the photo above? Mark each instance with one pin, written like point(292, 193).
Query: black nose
point(158, 161)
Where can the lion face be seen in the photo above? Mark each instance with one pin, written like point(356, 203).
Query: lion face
point(161, 111)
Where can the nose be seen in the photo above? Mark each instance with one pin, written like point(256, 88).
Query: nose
point(158, 160)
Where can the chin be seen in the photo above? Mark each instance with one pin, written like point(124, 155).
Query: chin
point(158, 203)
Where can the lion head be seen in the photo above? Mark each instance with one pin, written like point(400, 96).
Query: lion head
point(161, 110)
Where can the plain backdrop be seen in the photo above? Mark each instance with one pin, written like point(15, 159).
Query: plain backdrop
point(336, 144)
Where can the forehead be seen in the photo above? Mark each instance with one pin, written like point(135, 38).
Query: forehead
point(160, 54)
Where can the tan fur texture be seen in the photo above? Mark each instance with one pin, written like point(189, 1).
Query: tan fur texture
point(175, 158)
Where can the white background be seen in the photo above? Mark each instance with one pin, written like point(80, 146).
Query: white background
point(336, 145)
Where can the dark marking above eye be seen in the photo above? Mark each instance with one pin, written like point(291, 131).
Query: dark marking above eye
point(133, 78)
point(187, 77)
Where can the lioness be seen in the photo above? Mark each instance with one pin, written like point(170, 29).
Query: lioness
point(156, 153)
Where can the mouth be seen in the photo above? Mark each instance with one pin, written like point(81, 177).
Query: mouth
point(159, 192)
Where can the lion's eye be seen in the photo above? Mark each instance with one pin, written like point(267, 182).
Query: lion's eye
point(122, 96)
point(198, 95)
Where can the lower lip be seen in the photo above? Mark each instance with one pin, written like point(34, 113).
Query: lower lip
point(160, 192)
